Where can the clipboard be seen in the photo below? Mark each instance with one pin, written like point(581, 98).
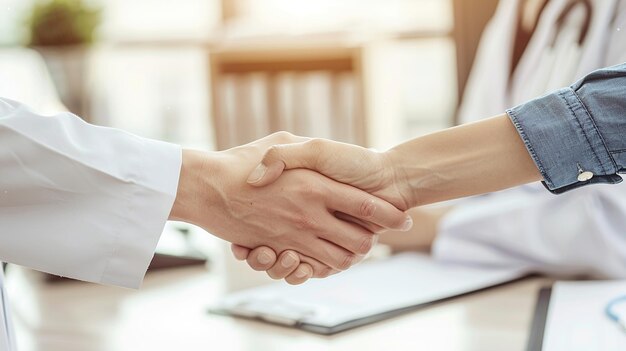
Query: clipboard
point(339, 328)
point(538, 326)
point(571, 316)
point(391, 287)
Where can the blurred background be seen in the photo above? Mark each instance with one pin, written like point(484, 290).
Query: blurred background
point(213, 74)
point(218, 73)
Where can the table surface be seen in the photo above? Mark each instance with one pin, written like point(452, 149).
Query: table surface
point(170, 313)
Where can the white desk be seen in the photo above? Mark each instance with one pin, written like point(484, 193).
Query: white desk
point(169, 313)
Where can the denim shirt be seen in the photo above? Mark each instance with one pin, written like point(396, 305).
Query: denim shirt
point(577, 135)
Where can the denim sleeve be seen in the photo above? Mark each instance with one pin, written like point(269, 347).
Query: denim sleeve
point(577, 135)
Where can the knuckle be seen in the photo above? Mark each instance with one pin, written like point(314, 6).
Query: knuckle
point(272, 152)
point(315, 143)
point(358, 259)
point(312, 190)
point(314, 152)
point(305, 222)
point(283, 136)
point(378, 230)
point(323, 272)
point(367, 209)
point(347, 262)
point(366, 245)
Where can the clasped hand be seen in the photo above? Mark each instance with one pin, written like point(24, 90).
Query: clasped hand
point(316, 225)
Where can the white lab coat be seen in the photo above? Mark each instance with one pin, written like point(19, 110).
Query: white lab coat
point(580, 232)
point(80, 201)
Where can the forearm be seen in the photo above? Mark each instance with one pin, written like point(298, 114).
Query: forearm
point(470, 159)
point(574, 137)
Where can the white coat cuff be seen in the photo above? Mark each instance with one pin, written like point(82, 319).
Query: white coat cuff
point(150, 206)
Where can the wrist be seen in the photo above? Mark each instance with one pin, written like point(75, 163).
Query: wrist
point(412, 173)
point(193, 186)
point(471, 159)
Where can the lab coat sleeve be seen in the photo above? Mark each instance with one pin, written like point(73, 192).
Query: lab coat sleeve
point(578, 129)
point(580, 232)
point(81, 201)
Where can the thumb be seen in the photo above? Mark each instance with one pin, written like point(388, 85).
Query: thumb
point(278, 158)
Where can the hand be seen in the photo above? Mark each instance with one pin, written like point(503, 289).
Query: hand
point(299, 211)
point(354, 165)
point(350, 164)
point(288, 266)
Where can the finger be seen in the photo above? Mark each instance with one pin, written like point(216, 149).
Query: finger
point(277, 158)
point(374, 228)
point(368, 208)
point(330, 254)
point(262, 258)
point(320, 270)
point(349, 236)
point(240, 252)
point(303, 273)
point(287, 263)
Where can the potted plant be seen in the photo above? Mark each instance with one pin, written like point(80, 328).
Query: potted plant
point(62, 30)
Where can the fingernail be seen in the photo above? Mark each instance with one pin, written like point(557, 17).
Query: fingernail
point(288, 260)
point(301, 273)
point(257, 174)
point(408, 224)
point(264, 258)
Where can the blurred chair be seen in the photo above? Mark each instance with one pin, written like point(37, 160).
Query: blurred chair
point(308, 87)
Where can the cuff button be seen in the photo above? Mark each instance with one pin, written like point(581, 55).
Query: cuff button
point(584, 176)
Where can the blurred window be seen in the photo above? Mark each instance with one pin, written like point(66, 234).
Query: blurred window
point(156, 84)
point(376, 15)
point(126, 20)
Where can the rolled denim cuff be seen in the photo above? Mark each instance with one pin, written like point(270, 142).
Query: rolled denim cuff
point(564, 142)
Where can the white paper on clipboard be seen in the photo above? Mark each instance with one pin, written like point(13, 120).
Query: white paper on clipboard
point(363, 292)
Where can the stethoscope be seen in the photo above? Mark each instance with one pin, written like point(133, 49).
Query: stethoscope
point(560, 22)
point(609, 310)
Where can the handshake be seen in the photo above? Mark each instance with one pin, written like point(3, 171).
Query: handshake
point(301, 208)
point(320, 217)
